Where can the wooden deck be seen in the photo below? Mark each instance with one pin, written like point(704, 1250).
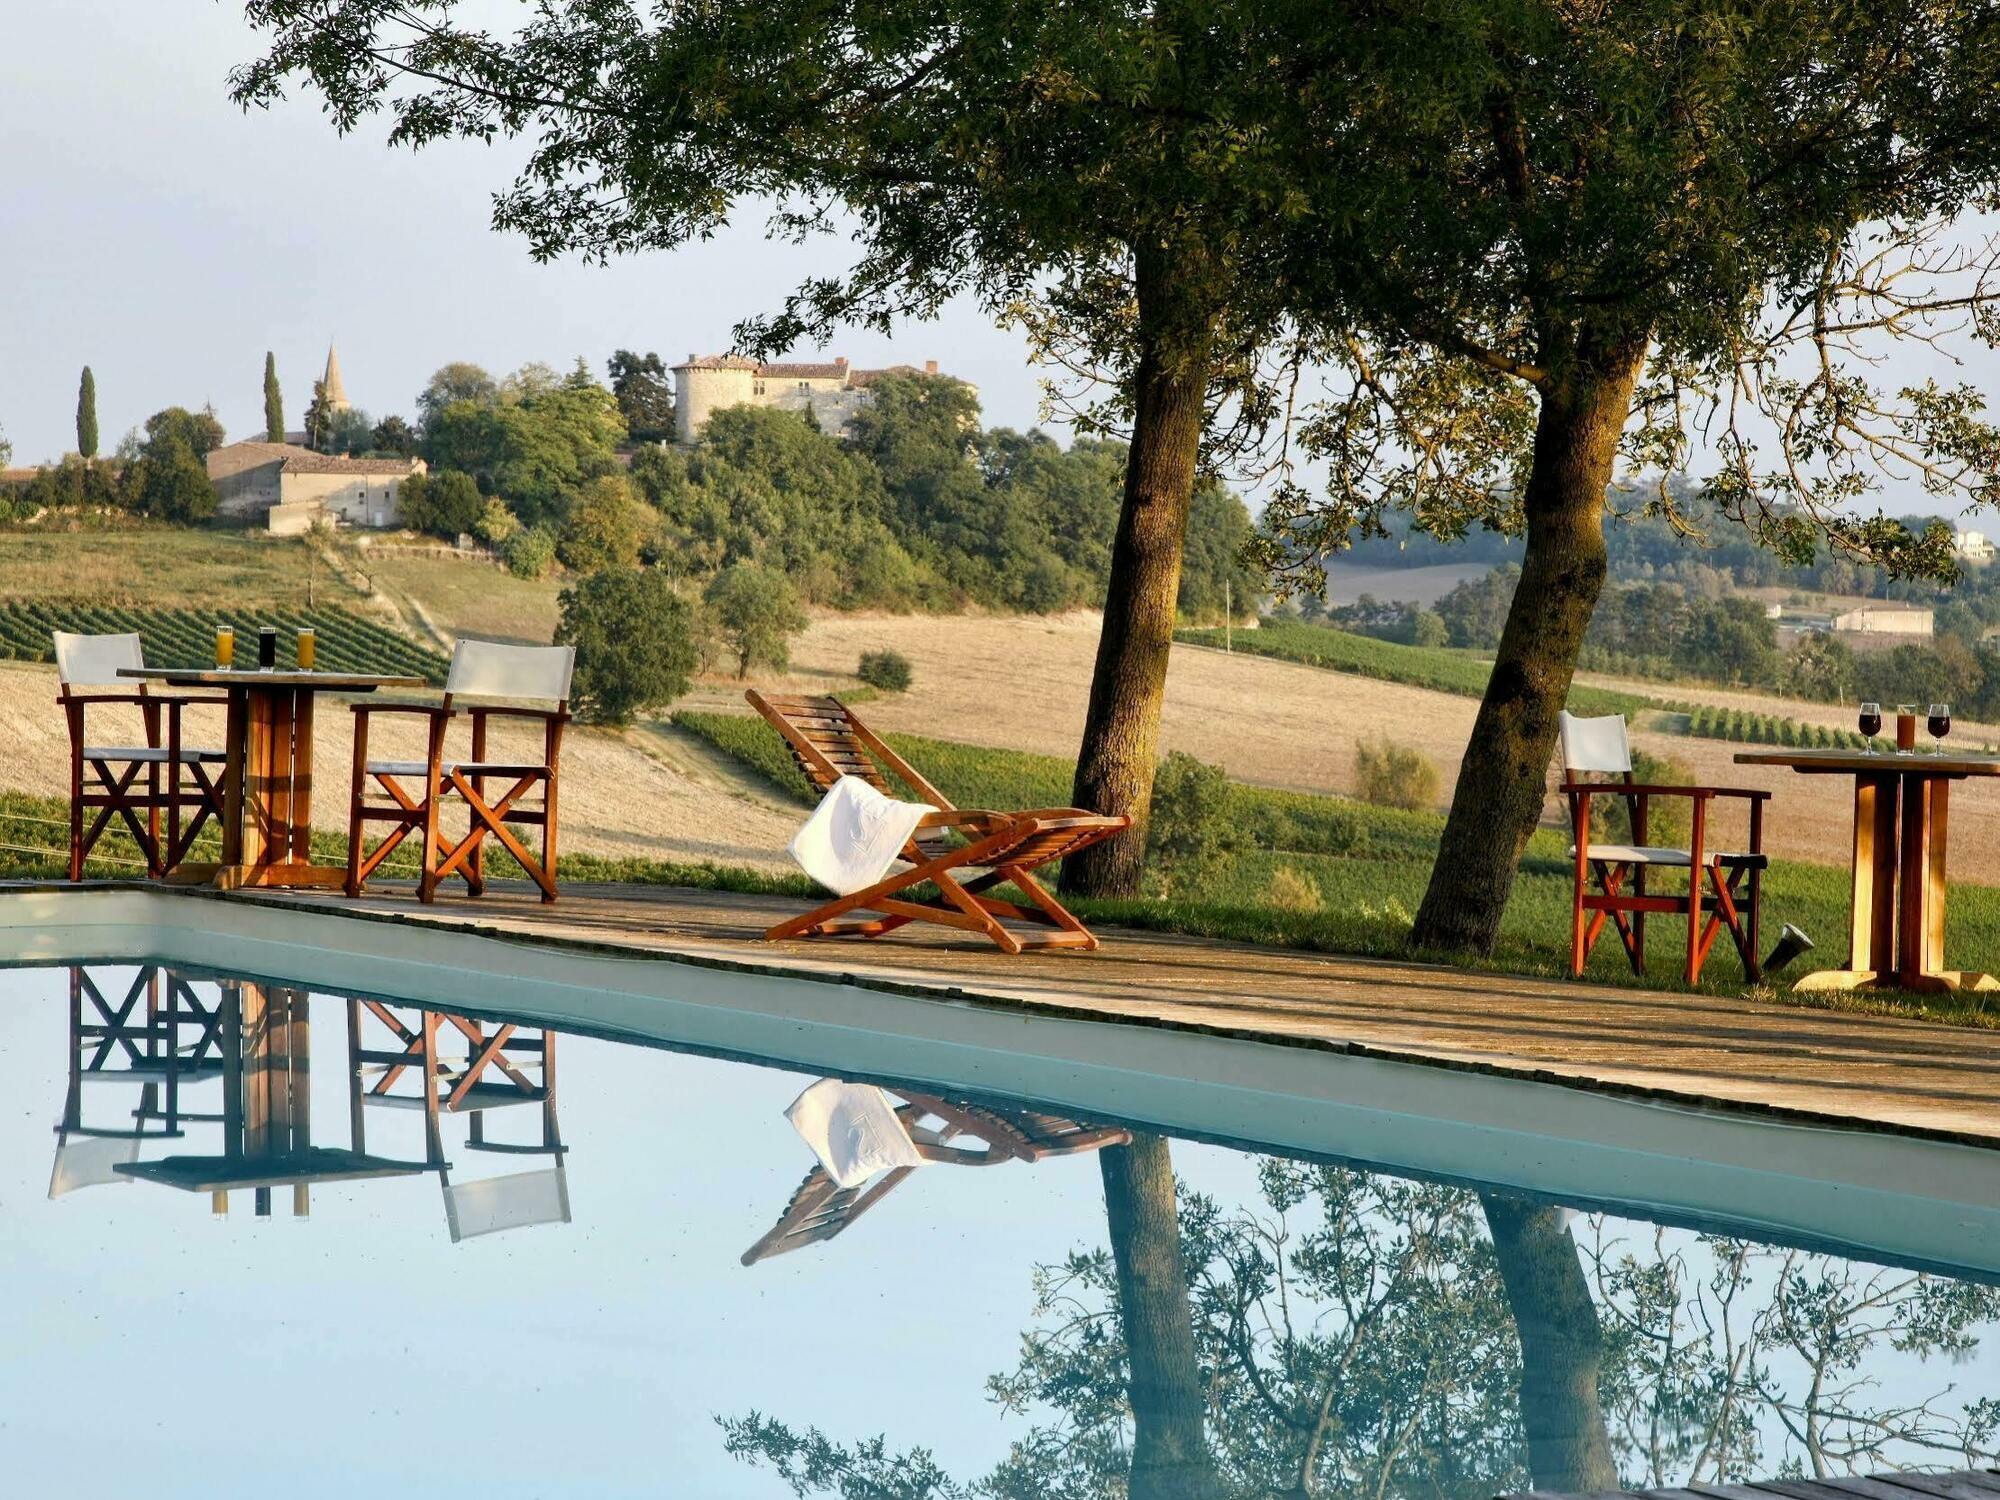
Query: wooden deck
point(1903, 1076)
point(1967, 1484)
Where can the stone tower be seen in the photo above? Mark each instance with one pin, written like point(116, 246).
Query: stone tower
point(704, 385)
point(330, 384)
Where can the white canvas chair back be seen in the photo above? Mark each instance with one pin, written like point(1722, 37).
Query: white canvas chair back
point(488, 669)
point(90, 1161)
point(489, 1205)
point(1595, 744)
point(95, 660)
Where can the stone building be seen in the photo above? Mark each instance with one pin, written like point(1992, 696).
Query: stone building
point(833, 391)
point(1885, 619)
point(291, 487)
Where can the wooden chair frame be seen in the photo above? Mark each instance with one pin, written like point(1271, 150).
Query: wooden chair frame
point(408, 812)
point(104, 785)
point(829, 742)
point(1732, 901)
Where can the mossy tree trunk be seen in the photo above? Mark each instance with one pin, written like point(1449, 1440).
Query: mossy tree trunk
point(1170, 1457)
point(1562, 1345)
point(1502, 780)
point(1114, 768)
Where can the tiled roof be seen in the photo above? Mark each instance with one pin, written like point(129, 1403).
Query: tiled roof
point(328, 463)
point(860, 378)
point(716, 362)
point(837, 370)
point(235, 458)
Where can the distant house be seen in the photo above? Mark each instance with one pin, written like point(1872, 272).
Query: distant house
point(1972, 546)
point(291, 487)
point(1885, 619)
point(833, 390)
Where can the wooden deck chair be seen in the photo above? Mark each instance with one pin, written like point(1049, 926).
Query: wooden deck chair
point(1724, 892)
point(829, 742)
point(136, 784)
point(940, 1128)
point(534, 681)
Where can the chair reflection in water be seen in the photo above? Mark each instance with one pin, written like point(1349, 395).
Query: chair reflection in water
point(161, 1039)
point(950, 1131)
point(443, 1065)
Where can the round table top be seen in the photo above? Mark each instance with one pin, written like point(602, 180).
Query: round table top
point(257, 677)
point(1881, 762)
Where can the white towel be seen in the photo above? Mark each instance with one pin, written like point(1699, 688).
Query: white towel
point(854, 836)
point(853, 1130)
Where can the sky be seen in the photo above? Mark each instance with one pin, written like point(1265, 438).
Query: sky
point(152, 230)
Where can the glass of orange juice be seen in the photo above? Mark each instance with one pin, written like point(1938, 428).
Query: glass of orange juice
point(308, 649)
point(225, 648)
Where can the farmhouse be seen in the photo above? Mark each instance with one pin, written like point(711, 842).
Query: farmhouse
point(1972, 546)
point(1885, 619)
point(292, 487)
point(833, 391)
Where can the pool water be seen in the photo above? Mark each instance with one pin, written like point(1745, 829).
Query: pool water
point(247, 1250)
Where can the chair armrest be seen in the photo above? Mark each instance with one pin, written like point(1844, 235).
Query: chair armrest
point(1647, 789)
point(515, 711)
point(365, 706)
point(963, 817)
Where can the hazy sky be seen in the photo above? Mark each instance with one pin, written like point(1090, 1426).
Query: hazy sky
point(151, 230)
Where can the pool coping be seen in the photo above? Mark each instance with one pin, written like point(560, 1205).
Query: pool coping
point(1901, 1190)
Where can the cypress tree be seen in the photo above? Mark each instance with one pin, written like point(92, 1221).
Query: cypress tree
point(274, 404)
point(86, 415)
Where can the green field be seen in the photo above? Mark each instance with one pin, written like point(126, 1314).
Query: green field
point(186, 637)
point(162, 567)
point(1367, 867)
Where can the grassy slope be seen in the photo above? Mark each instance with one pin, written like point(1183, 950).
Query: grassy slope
point(159, 567)
point(1369, 867)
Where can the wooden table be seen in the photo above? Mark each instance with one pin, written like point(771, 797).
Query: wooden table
point(1901, 817)
point(267, 779)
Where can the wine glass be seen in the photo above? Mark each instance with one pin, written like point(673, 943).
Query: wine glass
point(1939, 725)
point(1871, 723)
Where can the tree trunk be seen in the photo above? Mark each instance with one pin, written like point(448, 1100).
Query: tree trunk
point(1170, 1458)
point(1114, 768)
point(1562, 1346)
point(1502, 781)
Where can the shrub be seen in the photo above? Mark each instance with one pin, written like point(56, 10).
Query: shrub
point(1390, 775)
point(887, 669)
point(496, 523)
point(1291, 891)
point(606, 527)
point(635, 643)
point(445, 504)
point(758, 613)
point(531, 552)
point(1669, 820)
point(1193, 829)
point(1430, 630)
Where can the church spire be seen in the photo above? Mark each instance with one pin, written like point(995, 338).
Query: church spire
point(330, 385)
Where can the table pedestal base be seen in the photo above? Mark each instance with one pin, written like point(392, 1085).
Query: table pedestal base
point(1938, 982)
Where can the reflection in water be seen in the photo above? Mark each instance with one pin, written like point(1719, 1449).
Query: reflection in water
point(1302, 1329)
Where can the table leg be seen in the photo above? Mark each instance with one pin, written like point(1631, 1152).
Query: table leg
point(302, 770)
point(235, 742)
point(1871, 950)
point(1912, 924)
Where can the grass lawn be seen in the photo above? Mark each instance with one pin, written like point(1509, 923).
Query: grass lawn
point(464, 596)
point(161, 567)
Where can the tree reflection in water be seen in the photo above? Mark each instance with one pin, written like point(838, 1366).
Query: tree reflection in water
point(1356, 1334)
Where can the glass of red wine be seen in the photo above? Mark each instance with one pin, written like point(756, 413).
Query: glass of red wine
point(1871, 723)
point(1939, 725)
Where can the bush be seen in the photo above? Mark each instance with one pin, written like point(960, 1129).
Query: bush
point(758, 613)
point(1669, 820)
point(606, 527)
point(1193, 829)
point(635, 643)
point(496, 523)
point(445, 504)
point(888, 670)
point(1391, 775)
point(530, 553)
point(1430, 629)
point(1291, 891)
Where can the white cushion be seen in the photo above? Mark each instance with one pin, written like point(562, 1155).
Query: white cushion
point(146, 753)
point(1648, 854)
point(421, 768)
point(488, 1205)
point(487, 669)
point(1595, 744)
point(90, 1161)
point(95, 660)
point(853, 1130)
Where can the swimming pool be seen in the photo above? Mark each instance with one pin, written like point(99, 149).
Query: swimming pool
point(247, 1249)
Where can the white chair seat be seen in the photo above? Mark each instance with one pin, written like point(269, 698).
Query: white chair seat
point(147, 755)
point(1648, 854)
point(469, 767)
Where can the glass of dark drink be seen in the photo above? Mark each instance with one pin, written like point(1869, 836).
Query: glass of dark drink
point(1871, 723)
point(1939, 725)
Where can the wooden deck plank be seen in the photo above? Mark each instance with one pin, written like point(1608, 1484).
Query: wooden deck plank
point(1867, 1071)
